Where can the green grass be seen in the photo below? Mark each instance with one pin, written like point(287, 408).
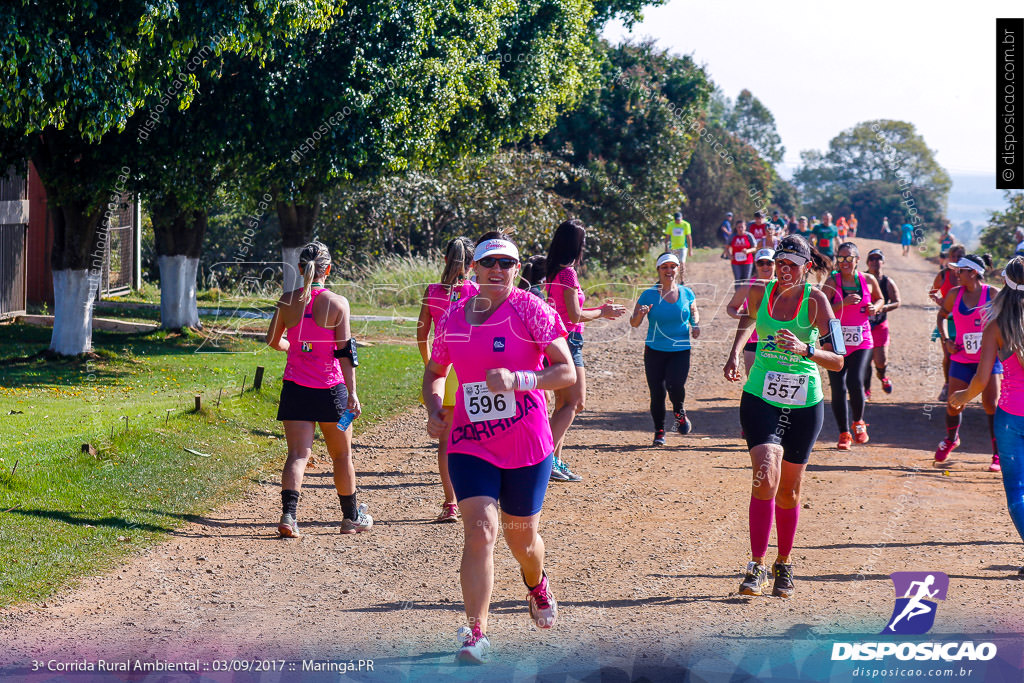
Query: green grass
point(64, 514)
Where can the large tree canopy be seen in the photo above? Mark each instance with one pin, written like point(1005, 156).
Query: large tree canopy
point(72, 75)
point(628, 144)
point(878, 169)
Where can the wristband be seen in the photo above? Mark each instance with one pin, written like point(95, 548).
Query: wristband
point(526, 380)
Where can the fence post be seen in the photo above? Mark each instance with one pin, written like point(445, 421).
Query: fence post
point(258, 380)
point(199, 402)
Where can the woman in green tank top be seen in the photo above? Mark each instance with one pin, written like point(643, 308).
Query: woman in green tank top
point(781, 410)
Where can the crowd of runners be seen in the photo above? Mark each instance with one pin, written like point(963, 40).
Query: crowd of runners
point(498, 331)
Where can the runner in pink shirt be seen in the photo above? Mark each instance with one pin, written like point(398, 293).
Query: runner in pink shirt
point(437, 299)
point(1002, 342)
point(319, 384)
point(566, 295)
point(968, 305)
point(499, 443)
point(855, 297)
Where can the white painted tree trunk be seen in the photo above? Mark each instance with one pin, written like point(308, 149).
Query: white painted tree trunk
point(290, 264)
point(178, 307)
point(74, 292)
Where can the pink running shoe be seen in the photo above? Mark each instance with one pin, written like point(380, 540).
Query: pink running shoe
point(995, 467)
point(945, 448)
point(543, 608)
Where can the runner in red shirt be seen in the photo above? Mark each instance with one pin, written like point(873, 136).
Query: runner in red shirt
point(740, 252)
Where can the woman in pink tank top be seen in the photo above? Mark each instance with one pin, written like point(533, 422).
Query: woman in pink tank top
point(437, 299)
point(1003, 340)
point(564, 293)
point(968, 305)
point(855, 297)
point(319, 385)
point(499, 441)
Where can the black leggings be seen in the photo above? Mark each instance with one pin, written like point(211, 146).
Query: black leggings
point(666, 370)
point(850, 377)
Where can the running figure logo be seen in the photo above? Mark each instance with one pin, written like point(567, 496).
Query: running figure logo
point(914, 612)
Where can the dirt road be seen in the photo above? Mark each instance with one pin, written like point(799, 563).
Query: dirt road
point(644, 555)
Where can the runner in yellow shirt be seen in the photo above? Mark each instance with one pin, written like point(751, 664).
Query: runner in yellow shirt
point(678, 239)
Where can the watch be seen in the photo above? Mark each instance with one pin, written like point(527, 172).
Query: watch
point(810, 351)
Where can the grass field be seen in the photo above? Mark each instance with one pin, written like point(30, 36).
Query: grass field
point(65, 513)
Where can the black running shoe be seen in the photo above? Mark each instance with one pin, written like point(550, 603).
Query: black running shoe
point(683, 424)
point(783, 587)
point(756, 580)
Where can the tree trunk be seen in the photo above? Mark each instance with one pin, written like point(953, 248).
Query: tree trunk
point(178, 238)
point(79, 247)
point(297, 221)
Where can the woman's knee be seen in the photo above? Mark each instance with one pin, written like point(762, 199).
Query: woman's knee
point(298, 455)
point(481, 534)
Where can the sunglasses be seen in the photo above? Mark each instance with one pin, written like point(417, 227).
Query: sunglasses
point(505, 263)
point(765, 263)
point(845, 259)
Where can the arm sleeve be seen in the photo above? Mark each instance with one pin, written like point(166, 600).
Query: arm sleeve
point(439, 351)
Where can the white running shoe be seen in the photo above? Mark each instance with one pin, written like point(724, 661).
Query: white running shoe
point(362, 522)
point(475, 646)
point(543, 608)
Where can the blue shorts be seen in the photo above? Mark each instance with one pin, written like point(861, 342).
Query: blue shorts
point(906, 241)
point(520, 491)
point(965, 372)
point(575, 341)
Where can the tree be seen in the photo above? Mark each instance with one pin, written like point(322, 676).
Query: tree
point(725, 174)
point(999, 236)
point(412, 85)
point(751, 121)
point(627, 144)
point(879, 169)
point(417, 212)
point(75, 73)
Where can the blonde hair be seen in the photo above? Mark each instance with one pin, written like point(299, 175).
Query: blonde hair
point(314, 260)
point(1007, 310)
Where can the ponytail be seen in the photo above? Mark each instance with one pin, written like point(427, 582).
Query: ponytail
point(308, 272)
point(458, 254)
point(314, 260)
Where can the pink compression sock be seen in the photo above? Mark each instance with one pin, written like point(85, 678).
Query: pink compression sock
point(760, 525)
point(785, 526)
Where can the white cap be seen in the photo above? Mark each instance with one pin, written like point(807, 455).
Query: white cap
point(764, 254)
point(666, 258)
point(495, 248)
point(968, 263)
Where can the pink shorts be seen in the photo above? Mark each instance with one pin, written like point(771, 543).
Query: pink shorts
point(880, 334)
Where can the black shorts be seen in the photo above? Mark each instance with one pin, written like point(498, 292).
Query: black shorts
point(795, 429)
point(750, 346)
point(312, 405)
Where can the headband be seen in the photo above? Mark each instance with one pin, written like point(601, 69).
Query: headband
point(1015, 286)
point(666, 258)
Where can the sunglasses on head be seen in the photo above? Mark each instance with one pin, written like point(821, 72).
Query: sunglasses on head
point(505, 262)
point(845, 259)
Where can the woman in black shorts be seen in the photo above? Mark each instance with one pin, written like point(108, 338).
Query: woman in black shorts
point(781, 409)
point(319, 385)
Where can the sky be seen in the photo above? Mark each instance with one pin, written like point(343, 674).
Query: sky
point(822, 67)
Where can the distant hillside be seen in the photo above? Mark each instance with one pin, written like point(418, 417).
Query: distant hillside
point(972, 198)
